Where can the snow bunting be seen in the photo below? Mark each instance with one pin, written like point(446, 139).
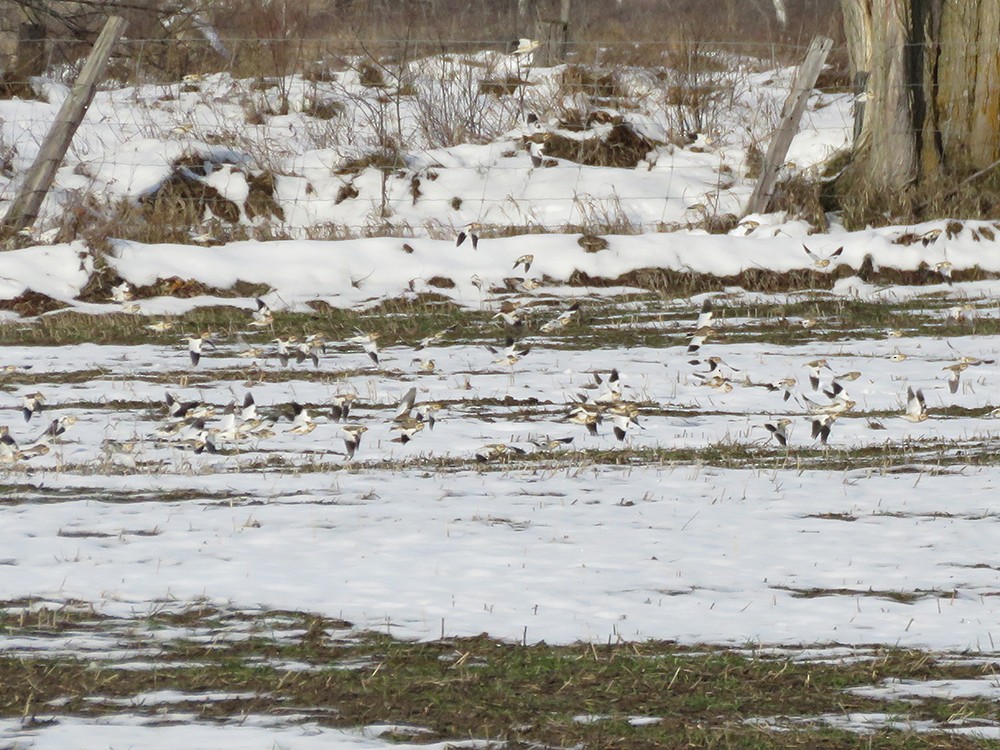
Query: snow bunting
point(916, 407)
point(821, 262)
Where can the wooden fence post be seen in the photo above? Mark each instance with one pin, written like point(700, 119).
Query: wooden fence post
point(24, 209)
point(791, 113)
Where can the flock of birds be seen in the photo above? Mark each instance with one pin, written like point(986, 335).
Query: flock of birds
point(194, 425)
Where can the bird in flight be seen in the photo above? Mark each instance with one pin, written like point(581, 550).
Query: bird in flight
point(821, 261)
point(916, 407)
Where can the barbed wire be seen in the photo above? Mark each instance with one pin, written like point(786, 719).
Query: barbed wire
point(382, 173)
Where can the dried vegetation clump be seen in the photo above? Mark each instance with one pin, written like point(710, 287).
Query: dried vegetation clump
point(619, 146)
point(30, 303)
point(187, 196)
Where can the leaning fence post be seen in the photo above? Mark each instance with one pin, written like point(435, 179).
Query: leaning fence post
point(791, 113)
point(24, 209)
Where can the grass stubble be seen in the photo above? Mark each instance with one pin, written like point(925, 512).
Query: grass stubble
point(525, 695)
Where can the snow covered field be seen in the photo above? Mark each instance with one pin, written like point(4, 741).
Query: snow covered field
point(504, 515)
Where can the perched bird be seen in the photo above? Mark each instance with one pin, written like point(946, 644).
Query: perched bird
point(121, 293)
point(32, 404)
point(916, 407)
point(961, 313)
point(944, 269)
point(369, 341)
point(250, 352)
point(537, 153)
point(495, 451)
point(525, 286)
point(717, 381)
point(821, 262)
point(352, 438)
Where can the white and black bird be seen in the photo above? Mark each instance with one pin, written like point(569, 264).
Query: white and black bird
point(512, 350)
point(821, 425)
point(121, 293)
point(32, 404)
point(821, 262)
point(57, 428)
point(340, 406)
point(525, 260)
point(262, 316)
point(537, 153)
point(623, 416)
point(407, 429)
point(785, 385)
point(523, 47)
point(916, 406)
point(434, 338)
point(611, 388)
point(702, 327)
point(470, 232)
point(368, 341)
point(284, 351)
point(196, 342)
point(956, 371)
point(309, 348)
point(352, 438)
point(302, 423)
point(178, 409)
point(779, 430)
point(249, 411)
point(814, 371)
point(562, 320)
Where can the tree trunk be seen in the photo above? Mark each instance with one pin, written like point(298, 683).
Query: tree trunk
point(933, 99)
